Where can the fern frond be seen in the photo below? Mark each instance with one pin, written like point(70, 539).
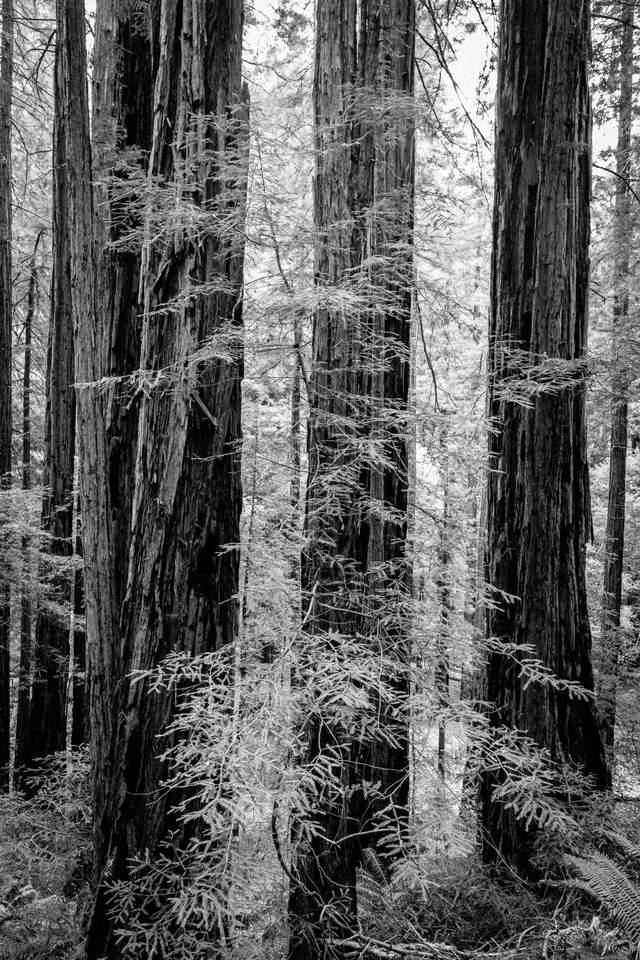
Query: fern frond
point(373, 866)
point(607, 882)
point(630, 849)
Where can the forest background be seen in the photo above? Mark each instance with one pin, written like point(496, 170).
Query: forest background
point(439, 901)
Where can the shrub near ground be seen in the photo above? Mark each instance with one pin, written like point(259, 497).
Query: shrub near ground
point(44, 857)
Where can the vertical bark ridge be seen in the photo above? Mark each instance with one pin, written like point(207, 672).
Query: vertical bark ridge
point(26, 652)
point(122, 133)
point(45, 730)
point(6, 332)
point(354, 567)
point(80, 708)
point(538, 486)
point(182, 577)
point(92, 411)
point(614, 533)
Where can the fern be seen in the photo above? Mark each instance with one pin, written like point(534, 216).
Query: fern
point(374, 867)
point(630, 849)
point(603, 879)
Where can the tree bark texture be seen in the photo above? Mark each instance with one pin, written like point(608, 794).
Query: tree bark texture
point(32, 296)
point(80, 708)
point(614, 533)
point(538, 486)
point(46, 728)
point(445, 602)
point(354, 565)
point(6, 325)
point(92, 410)
point(26, 618)
point(182, 579)
point(122, 130)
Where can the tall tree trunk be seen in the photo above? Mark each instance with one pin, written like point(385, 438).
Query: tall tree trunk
point(443, 584)
point(122, 124)
point(122, 132)
point(538, 486)
point(6, 325)
point(183, 572)
point(267, 651)
point(46, 728)
point(26, 619)
point(474, 676)
point(93, 410)
point(614, 535)
point(296, 459)
point(80, 709)
point(354, 568)
point(32, 293)
point(296, 396)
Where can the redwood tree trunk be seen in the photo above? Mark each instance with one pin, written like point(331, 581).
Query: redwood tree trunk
point(614, 534)
point(354, 567)
point(538, 486)
point(93, 411)
point(24, 673)
point(80, 708)
point(46, 728)
point(182, 580)
point(6, 319)
point(122, 129)
point(443, 585)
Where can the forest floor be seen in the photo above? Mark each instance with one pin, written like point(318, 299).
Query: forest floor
point(440, 905)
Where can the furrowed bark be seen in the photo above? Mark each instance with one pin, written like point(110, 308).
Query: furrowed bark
point(6, 326)
point(92, 407)
point(24, 674)
point(182, 579)
point(614, 533)
point(354, 567)
point(45, 731)
point(122, 130)
point(538, 486)
point(80, 708)
point(443, 584)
